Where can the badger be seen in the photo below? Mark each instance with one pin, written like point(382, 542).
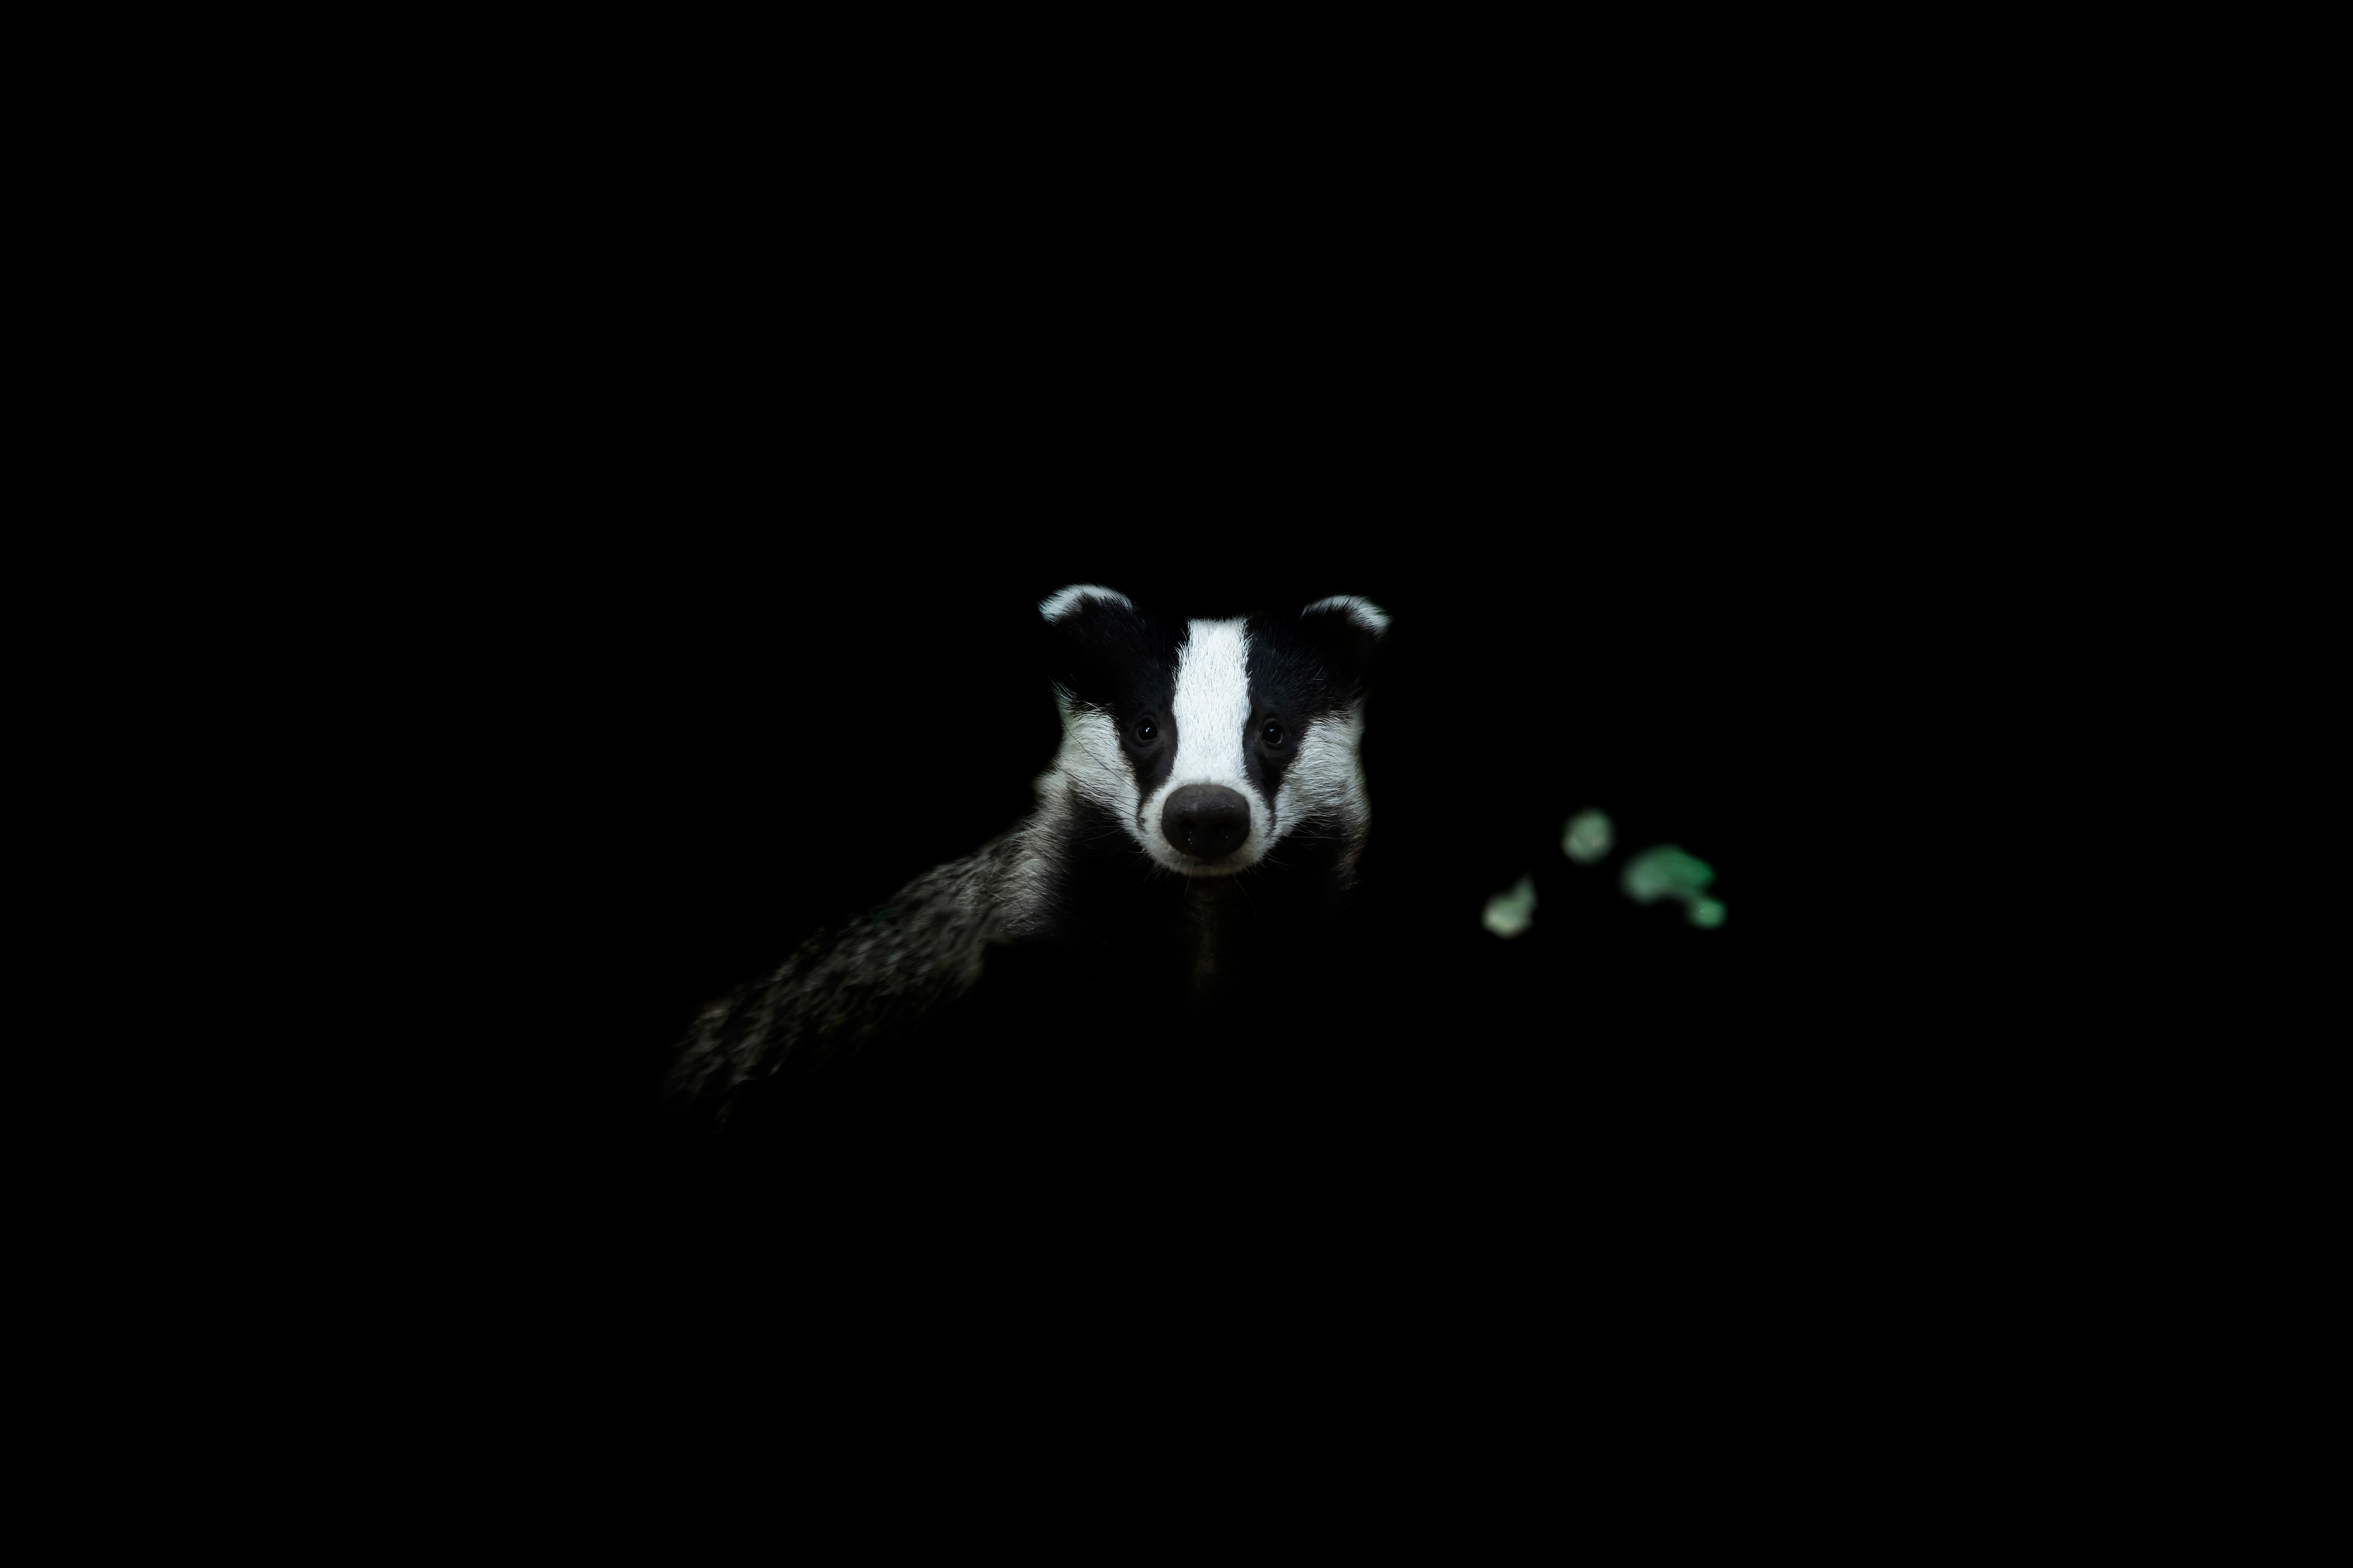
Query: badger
point(1191, 860)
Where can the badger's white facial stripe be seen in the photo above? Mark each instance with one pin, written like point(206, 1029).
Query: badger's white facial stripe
point(1058, 605)
point(1213, 705)
point(1212, 710)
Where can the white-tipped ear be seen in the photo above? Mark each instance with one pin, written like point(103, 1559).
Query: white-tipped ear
point(1056, 605)
point(1363, 611)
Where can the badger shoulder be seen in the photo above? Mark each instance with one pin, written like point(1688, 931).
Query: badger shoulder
point(876, 976)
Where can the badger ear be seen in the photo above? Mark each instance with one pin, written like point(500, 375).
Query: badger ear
point(1345, 632)
point(1077, 599)
point(1368, 618)
point(1092, 635)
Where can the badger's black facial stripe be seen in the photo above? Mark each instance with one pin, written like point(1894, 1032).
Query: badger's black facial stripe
point(1312, 663)
point(1121, 661)
point(1289, 688)
point(1151, 757)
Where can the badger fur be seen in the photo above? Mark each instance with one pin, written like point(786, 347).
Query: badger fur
point(1193, 847)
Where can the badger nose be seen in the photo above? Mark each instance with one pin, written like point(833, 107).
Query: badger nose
point(1209, 821)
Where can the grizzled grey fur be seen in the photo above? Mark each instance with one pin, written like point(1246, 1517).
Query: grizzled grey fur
point(875, 977)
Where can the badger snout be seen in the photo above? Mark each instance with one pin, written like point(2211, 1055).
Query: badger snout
point(1206, 821)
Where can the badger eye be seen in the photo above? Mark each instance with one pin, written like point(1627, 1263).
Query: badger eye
point(1145, 728)
point(1272, 733)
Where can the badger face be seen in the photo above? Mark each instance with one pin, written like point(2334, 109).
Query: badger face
point(1210, 742)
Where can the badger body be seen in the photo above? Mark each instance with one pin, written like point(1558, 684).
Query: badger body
point(1187, 865)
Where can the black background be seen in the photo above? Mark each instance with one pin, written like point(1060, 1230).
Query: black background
point(672, 507)
point(714, 575)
